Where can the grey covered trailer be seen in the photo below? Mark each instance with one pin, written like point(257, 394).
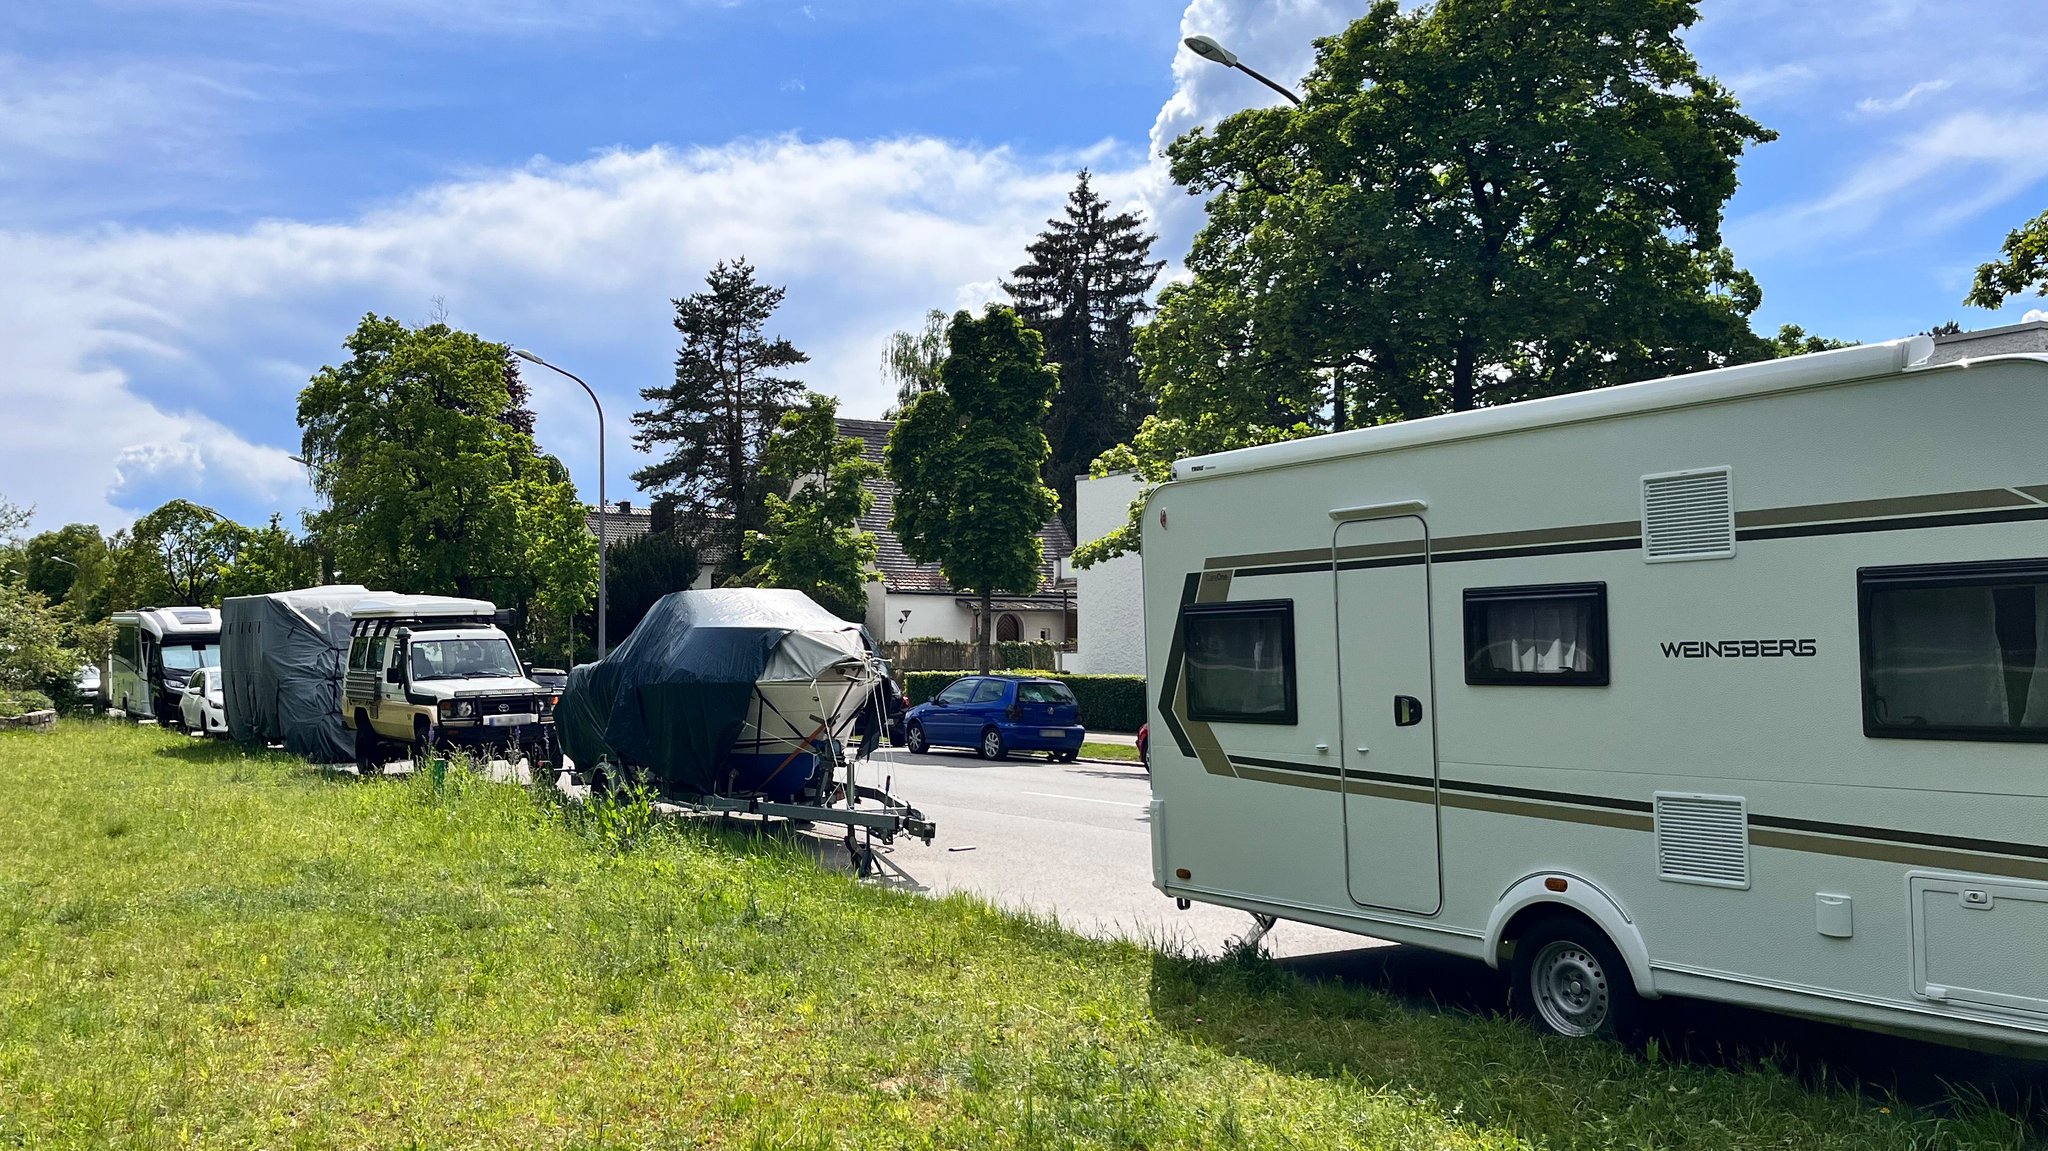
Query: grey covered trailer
point(282, 656)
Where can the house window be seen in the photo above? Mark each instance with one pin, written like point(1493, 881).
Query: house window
point(1955, 651)
point(1240, 661)
point(1550, 634)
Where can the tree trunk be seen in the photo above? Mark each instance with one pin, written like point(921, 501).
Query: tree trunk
point(1463, 381)
point(982, 628)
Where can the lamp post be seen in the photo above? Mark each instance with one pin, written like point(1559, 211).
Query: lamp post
point(1208, 49)
point(602, 542)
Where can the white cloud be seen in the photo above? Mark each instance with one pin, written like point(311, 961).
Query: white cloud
point(1761, 85)
point(2033, 315)
point(1898, 103)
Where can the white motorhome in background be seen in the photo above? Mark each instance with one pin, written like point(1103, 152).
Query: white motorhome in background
point(1732, 685)
point(155, 650)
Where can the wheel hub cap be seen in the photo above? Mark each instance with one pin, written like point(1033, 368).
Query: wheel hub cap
point(1571, 990)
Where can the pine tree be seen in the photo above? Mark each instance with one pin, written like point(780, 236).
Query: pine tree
point(1084, 291)
point(726, 400)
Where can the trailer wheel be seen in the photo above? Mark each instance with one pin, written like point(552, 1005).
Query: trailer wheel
point(366, 749)
point(914, 739)
point(992, 744)
point(1570, 981)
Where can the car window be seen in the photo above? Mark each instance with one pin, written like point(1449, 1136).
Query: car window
point(1044, 693)
point(957, 691)
point(989, 691)
point(198, 681)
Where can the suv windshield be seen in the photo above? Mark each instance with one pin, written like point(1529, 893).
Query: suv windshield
point(191, 658)
point(463, 659)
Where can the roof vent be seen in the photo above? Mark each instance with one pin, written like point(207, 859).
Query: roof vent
point(1689, 515)
point(1702, 839)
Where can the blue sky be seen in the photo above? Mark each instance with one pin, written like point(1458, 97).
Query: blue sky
point(198, 198)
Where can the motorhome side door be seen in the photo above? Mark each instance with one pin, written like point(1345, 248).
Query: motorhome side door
point(1389, 714)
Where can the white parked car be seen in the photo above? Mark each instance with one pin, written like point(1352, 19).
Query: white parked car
point(201, 708)
point(88, 681)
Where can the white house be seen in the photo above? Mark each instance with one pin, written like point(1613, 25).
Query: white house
point(1110, 638)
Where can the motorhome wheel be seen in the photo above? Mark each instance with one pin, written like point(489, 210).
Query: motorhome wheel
point(1571, 981)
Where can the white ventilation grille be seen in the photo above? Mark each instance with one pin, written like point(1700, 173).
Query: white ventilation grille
point(1689, 515)
point(1702, 839)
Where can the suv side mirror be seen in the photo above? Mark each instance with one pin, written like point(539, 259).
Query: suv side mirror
point(394, 674)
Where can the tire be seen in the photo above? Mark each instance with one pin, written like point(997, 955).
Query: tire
point(422, 742)
point(366, 749)
point(1569, 980)
point(991, 746)
point(914, 740)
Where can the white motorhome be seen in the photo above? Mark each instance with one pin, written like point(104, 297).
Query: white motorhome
point(155, 651)
point(1731, 685)
point(427, 671)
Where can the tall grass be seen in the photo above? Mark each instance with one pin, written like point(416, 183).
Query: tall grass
point(202, 947)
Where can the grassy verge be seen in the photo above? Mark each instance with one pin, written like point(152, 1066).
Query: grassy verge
point(1093, 750)
point(204, 948)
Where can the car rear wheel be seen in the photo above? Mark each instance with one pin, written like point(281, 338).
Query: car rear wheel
point(914, 739)
point(992, 744)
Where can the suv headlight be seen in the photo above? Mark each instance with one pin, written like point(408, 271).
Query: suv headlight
point(459, 708)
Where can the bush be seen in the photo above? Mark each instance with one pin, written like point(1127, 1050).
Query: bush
point(1108, 702)
point(13, 703)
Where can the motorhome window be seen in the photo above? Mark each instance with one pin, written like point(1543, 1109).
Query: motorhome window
point(463, 659)
point(1551, 634)
point(1240, 661)
point(356, 652)
point(184, 657)
point(1956, 651)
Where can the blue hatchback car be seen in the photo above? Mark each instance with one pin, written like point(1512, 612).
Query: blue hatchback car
point(999, 714)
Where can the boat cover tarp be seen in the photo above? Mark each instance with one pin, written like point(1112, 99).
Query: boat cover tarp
point(672, 698)
point(281, 659)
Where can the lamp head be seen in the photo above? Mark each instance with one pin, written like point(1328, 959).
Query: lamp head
point(1208, 49)
point(529, 357)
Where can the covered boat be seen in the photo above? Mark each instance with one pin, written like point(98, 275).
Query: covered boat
point(731, 692)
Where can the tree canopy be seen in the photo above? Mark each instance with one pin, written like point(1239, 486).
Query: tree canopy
point(967, 460)
point(2024, 267)
point(433, 483)
point(641, 571)
point(1084, 290)
point(1480, 201)
point(911, 360)
point(714, 420)
point(814, 542)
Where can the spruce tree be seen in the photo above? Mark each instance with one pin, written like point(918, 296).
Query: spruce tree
point(1083, 290)
point(728, 397)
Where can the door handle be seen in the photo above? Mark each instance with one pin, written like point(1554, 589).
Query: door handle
point(1362, 750)
point(1407, 711)
point(1322, 747)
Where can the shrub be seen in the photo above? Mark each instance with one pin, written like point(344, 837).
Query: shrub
point(14, 703)
point(1108, 702)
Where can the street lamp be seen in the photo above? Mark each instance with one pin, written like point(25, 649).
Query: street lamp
point(602, 542)
point(1208, 49)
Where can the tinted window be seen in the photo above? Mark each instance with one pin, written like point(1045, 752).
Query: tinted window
point(188, 658)
point(1956, 651)
point(989, 691)
point(957, 691)
point(356, 652)
point(1553, 634)
point(1044, 693)
point(1240, 661)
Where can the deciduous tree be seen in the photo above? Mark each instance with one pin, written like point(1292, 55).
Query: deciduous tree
point(269, 559)
point(70, 565)
point(968, 463)
point(2024, 267)
point(432, 485)
point(911, 360)
point(1480, 201)
point(813, 541)
point(714, 420)
point(1084, 290)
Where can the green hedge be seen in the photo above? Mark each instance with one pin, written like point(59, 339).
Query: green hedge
point(1108, 702)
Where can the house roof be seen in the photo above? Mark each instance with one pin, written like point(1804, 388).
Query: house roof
point(899, 572)
point(622, 522)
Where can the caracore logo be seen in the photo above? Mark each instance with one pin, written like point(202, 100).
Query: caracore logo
point(1738, 648)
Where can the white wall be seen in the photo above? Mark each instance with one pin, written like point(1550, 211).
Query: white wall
point(1109, 597)
point(938, 616)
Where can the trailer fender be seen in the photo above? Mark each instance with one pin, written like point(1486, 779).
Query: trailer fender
point(1583, 896)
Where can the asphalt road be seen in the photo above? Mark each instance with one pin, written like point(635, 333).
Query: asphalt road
point(1070, 841)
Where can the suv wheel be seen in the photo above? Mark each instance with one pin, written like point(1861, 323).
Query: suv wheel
point(366, 749)
point(914, 739)
point(992, 744)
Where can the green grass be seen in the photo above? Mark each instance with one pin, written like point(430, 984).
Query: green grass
point(204, 948)
point(1093, 750)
